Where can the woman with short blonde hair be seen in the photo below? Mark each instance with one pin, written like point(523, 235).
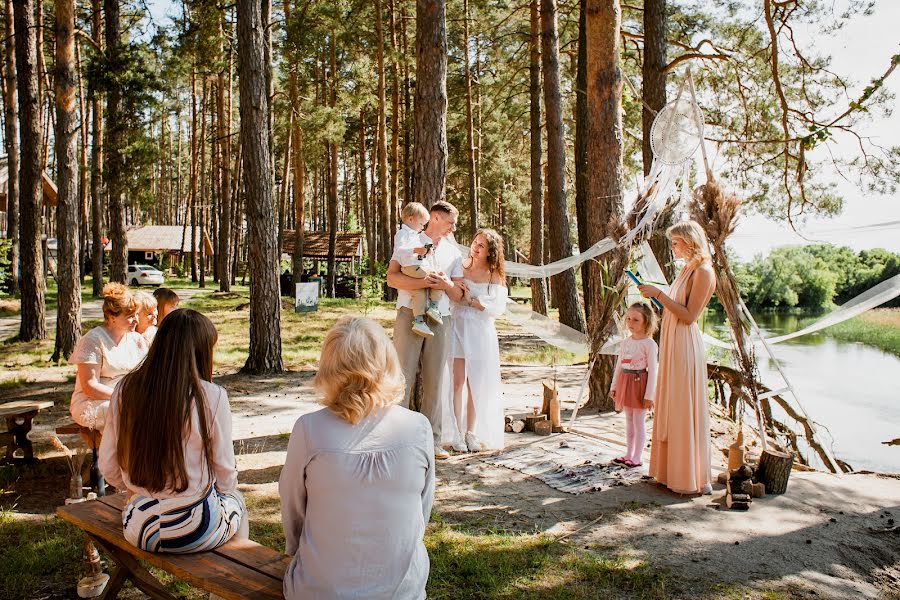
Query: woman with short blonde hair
point(104, 355)
point(358, 482)
point(358, 370)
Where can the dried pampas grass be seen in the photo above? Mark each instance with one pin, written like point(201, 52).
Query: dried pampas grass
point(716, 211)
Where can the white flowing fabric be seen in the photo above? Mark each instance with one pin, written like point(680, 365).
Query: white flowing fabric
point(474, 337)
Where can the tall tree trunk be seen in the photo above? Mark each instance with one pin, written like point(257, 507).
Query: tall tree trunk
point(225, 186)
point(204, 191)
point(654, 92)
point(285, 186)
point(538, 286)
point(395, 123)
point(115, 179)
point(97, 250)
point(407, 110)
point(560, 246)
point(605, 173)
point(470, 125)
point(32, 325)
point(11, 131)
point(364, 195)
point(333, 178)
point(83, 115)
point(298, 166)
point(195, 148)
point(265, 303)
point(381, 141)
point(68, 314)
point(430, 154)
point(581, 172)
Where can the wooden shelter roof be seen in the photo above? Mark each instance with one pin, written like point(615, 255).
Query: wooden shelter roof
point(47, 184)
point(164, 238)
point(348, 245)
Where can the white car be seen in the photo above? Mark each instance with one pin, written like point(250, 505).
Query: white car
point(144, 275)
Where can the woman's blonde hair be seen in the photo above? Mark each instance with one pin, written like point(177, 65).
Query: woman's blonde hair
point(118, 299)
point(359, 372)
point(145, 300)
point(695, 238)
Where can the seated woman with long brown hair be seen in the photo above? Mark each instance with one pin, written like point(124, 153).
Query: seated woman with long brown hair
point(168, 444)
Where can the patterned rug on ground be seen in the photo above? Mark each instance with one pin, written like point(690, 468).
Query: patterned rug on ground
point(569, 463)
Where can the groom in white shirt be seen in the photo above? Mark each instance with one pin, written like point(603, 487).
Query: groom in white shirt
point(444, 262)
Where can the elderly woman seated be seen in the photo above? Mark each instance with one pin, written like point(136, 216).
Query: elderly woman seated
point(358, 482)
point(104, 355)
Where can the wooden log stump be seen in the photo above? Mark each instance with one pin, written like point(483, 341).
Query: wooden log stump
point(543, 427)
point(517, 426)
point(774, 470)
point(530, 420)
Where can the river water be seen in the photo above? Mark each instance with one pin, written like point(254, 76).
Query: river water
point(849, 388)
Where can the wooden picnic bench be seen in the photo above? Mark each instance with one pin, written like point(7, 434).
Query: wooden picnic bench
point(237, 569)
point(91, 437)
point(19, 415)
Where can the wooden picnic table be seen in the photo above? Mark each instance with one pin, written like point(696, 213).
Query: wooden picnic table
point(18, 415)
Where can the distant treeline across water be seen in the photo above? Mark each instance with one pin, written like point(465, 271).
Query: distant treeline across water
point(814, 276)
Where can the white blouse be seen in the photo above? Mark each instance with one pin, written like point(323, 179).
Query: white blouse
point(224, 474)
point(97, 347)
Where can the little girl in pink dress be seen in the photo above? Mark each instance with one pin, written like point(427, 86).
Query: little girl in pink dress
point(634, 380)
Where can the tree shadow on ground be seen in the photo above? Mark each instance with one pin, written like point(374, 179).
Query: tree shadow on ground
point(844, 554)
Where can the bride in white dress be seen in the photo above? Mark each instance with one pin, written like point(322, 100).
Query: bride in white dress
point(475, 351)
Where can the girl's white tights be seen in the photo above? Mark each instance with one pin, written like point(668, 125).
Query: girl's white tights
point(635, 433)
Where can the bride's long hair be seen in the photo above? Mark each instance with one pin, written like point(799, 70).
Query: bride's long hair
point(495, 258)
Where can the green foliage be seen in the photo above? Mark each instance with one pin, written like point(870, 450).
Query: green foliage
point(813, 276)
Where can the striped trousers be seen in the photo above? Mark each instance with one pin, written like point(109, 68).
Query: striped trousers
point(183, 525)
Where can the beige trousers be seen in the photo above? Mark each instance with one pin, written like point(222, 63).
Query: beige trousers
point(420, 298)
point(432, 353)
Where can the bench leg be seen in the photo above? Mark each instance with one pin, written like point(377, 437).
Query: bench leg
point(20, 439)
point(127, 567)
point(95, 582)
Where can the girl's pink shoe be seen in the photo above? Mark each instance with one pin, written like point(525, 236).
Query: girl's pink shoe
point(631, 464)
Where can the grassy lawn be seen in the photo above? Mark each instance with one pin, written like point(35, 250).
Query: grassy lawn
point(41, 557)
point(879, 328)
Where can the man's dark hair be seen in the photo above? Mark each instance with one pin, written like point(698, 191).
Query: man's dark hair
point(165, 295)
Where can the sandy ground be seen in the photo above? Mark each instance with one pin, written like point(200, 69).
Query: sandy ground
point(825, 538)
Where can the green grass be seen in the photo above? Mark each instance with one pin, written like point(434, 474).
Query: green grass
point(301, 334)
point(502, 565)
point(37, 556)
point(40, 557)
point(879, 328)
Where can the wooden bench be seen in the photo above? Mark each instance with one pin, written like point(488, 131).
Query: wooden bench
point(19, 415)
point(238, 569)
point(91, 437)
point(520, 299)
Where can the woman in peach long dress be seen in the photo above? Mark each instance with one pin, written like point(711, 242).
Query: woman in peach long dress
point(680, 447)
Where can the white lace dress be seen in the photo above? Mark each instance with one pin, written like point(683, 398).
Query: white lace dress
point(474, 338)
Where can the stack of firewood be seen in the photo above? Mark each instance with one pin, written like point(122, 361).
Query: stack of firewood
point(545, 422)
point(743, 482)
